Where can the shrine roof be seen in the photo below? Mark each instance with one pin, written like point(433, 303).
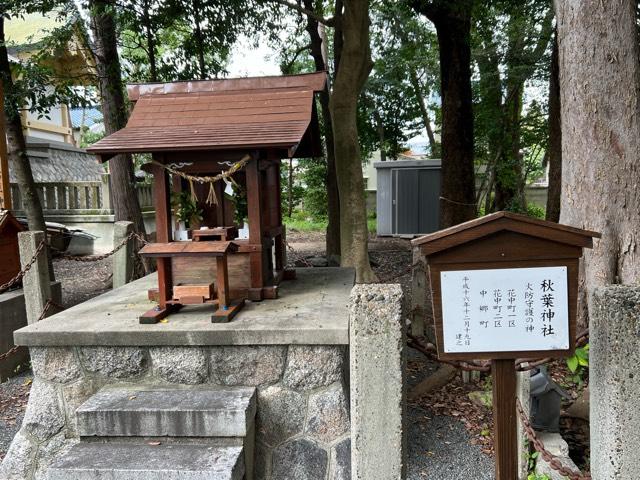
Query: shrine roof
point(500, 221)
point(228, 114)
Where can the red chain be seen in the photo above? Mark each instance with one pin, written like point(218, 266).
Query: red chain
point(546, 455)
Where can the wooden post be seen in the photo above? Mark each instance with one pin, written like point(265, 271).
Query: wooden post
point(123, 258)
point(36, 282)
point(5, 189)
point(222, 282)
point(256, 232)
point(505, 423)
point(163, 235)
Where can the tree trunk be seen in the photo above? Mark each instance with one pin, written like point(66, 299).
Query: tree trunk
point(354, 67)
point(554, 148)
point(151, 43)
point(453, 25)
point(509, 168)
point(202, 67)
point(290, 189)
point(114, 110)
point(426, 121)
point(17, 149)
point(599, 65)
point(380, 132)
point(318, 49)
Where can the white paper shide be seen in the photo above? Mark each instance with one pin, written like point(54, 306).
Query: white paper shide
point(505, 310)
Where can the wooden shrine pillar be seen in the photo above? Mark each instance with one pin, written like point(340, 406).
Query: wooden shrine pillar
point(161, 191)
point(256, 228)
point(5, 187)
point(275, 194)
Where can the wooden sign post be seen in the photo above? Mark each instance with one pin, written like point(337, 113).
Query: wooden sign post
point(503, 287)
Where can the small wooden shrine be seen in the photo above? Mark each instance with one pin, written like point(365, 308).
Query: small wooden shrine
point(205, 138)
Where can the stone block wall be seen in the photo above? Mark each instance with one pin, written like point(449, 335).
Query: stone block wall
point(302, 424)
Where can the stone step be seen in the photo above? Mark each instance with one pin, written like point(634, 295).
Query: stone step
point(139, 411)
point(90, 461)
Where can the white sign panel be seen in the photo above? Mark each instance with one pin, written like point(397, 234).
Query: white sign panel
point(505, 310)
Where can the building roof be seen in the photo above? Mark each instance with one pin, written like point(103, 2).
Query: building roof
point(230, 114)
point(481, 227)
point(85, 117)
point(53, 162)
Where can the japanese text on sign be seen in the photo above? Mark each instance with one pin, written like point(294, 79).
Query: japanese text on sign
point(504, 310)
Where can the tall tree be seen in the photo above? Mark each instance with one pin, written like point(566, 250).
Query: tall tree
point(114, 109)
point(353, 68)
point(554, 145)
point(16, 144)
point(319, 52)
point(510, 45)
point(452, 20)
point(352, 64)
point(32, 85)
point(599, 61)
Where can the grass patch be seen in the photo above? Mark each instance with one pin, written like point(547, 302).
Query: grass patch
point(302, 223)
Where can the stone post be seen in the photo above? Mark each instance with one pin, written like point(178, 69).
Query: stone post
point(377, 342)
point(614, 382)
point(36, 282)
point(123, 258)
point(106, 192)
point(523, 391)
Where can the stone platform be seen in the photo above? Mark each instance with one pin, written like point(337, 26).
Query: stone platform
point(310, 310)
point(293, 350)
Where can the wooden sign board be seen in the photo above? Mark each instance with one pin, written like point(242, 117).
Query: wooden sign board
point(503, 287)
point(508, 309)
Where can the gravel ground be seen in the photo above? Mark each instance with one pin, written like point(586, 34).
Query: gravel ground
point(80, 282)
point(439, 445)
point(14, 394)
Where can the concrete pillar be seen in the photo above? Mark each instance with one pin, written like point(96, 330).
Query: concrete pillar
point(421, 295)
point(377, 341)
point(36, 282)
point(106, 191)
point(614, 382)
point(123, 258)
point(523, 391)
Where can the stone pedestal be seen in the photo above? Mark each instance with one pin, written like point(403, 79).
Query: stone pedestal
point(290, 349)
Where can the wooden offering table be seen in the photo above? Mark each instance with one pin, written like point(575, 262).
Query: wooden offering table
point(172, 298)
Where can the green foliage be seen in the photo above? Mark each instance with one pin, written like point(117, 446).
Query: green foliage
point(36, 85)
point(511, 51)
point(301, 221)
point(185, 208)
point(578, 364)
point(536, 211)
point(88, 138)
point(187, 39)
point(314, 178)
point(405, 73)
point(532, 459)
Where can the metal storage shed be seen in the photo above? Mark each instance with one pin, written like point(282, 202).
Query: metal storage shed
point(407, 197)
